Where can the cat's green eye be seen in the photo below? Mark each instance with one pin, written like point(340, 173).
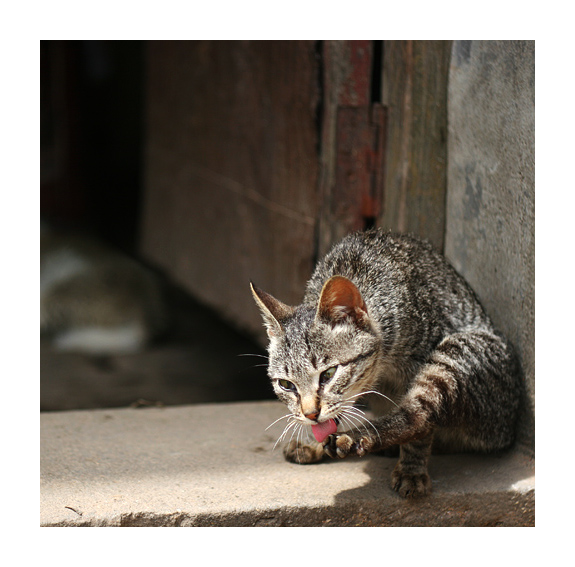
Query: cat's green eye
point(327, 375)
point(287, 385)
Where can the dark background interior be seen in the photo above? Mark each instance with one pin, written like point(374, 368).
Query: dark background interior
point(92, 171)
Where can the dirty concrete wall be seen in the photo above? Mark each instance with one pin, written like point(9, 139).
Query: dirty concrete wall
point(490, 230)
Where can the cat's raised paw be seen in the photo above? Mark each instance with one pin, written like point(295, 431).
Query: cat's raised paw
point(303, 454)
point(341, 445)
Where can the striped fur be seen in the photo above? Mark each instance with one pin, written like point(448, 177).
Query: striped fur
point(402, 327)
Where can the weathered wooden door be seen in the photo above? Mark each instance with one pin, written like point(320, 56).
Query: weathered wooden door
point(261, 154)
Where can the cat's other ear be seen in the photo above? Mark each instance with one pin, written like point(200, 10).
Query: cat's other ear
point(339, 300)
point(274, 312)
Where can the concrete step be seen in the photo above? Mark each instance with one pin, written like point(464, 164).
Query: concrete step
point(213, 465)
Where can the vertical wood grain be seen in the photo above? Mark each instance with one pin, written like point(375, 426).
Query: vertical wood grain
point(415, 75)
point(231, 192)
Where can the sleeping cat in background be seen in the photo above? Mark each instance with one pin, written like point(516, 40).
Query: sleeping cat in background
point(386, 319)
point(94, 299)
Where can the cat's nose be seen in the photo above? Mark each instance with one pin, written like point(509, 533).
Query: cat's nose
point(312, 416)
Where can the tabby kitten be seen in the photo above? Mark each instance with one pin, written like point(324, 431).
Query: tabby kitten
point(386, 318)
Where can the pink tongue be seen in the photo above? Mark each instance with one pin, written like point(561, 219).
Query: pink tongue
point(322, 430)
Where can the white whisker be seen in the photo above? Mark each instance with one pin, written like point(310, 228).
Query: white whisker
point(306, 433)
point(289, 426)
point(299, 436)
point(356, 411)
point(355, 422)
point(372, 392)
point(355, 418)
point(354, 414)
point(344, 411)
point(279, 419)
point(294, 430)
point(347, 422)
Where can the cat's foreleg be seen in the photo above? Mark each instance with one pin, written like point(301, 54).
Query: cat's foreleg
point(410, 426)
point(432, 398)
point(471, 381)
point(410, 477)
point(414, 419)
point(303, 453)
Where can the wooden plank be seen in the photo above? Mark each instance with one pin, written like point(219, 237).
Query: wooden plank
point(260, 155)
point(350, 184)
point(415, 77)
point(231, 182)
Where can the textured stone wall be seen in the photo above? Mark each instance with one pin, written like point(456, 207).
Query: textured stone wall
point(490, 218)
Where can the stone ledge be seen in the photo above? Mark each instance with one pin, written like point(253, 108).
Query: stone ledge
point(213, 465)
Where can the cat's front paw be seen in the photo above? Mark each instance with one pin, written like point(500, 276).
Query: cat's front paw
point(410, 484)
point(341, 445)
point(303, 454)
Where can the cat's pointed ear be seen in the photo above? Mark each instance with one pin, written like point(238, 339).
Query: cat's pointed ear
point(339, 300)
point(274, 312)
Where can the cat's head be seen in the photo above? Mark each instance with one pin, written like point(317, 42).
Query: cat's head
point(321, 357)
